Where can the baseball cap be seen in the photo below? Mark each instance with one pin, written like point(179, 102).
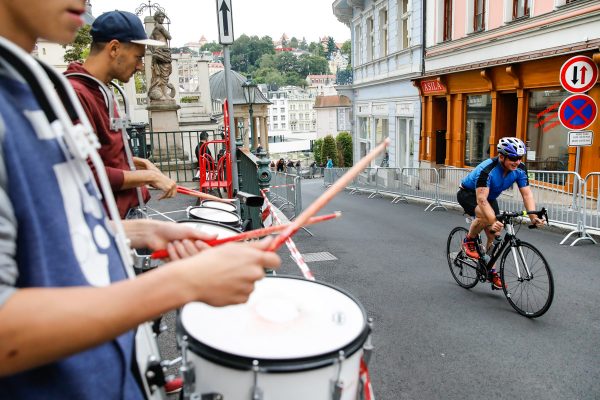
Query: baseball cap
point(122, 26)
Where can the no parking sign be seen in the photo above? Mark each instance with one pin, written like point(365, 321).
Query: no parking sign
point(577, 112)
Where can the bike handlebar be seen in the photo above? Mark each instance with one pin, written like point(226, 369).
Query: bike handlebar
point(543, 214)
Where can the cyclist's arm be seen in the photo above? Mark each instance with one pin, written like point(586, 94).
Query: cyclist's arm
point(529, 203)
point(485, 207)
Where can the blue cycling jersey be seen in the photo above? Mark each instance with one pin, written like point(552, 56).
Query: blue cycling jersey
point(490, 174)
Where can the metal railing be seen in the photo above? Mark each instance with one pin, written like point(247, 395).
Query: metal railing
point(286, 193)
point(248, 170)
point(570, 200)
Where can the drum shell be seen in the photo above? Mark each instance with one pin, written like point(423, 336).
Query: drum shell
point(314, 384)
point(226, 228)
point(215, 215)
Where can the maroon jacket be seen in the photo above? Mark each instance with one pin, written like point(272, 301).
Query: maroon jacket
point(112, 149)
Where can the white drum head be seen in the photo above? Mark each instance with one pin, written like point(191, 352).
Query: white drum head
point(219, 205)
point(221, 231)
point(214, 214)
point(285, 318)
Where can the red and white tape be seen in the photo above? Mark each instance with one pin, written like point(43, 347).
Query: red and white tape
point(365, 379)
point(296, 255)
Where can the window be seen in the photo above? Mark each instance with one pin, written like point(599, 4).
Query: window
point(370, 39)
point(282, 126)
point(403, 24)
point(275, 126)
point(283, 117)
point(293, 126)
point(274, 117)
point(447, 20)
point(383, 33)
point(520, 9)
point(293, 117)
point(478, 15)
point(381, 133)
point(282, 110)
point(546, 137)
point(292, 107)
point(364, 136)
point(479, 122)
point(405, 143)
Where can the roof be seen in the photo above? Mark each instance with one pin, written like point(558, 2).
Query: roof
point(332, 101)
point(218, 92)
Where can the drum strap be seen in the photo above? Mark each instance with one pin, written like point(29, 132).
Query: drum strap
point(366, 390)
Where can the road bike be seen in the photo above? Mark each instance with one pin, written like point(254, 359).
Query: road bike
point(527, 280)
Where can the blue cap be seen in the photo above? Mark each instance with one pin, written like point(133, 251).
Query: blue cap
point(122, 26)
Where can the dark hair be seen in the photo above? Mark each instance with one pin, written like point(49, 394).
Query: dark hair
point(203, 135)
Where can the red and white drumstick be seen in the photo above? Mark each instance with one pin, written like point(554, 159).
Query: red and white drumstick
point(326, 197)
point(257, 233)
point(201, 195)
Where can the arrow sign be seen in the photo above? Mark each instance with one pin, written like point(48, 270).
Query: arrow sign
point(225, 18)
point(579, 74)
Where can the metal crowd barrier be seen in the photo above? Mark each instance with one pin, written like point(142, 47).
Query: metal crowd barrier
point(569, 199)
point(286, 192)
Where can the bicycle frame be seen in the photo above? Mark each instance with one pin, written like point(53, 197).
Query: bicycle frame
point(509, 239)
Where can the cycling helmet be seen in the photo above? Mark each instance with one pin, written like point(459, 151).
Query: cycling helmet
point(511, 147)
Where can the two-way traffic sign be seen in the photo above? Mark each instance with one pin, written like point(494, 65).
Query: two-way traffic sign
point(225, 18)
point(579, 74)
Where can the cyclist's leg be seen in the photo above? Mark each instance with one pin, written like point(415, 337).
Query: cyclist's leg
point(488, 233)
point(468, 201)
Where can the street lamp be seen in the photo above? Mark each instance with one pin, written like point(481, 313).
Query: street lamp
point(240, 126)
point(249, 88)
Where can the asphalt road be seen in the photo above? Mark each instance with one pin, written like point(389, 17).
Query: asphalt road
point(435, 340)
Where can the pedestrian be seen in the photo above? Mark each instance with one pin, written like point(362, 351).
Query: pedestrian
point(67, 316)
point(313, 169)
point(280, 165)
point(329, 163)
point(117, 52)
point(289, 166)
point(298, 167)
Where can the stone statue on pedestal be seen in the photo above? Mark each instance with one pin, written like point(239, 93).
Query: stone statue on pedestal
point(161, 91)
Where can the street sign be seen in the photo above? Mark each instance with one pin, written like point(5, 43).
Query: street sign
point(577, 112)
point(579, 74)
point(225, 18)
point(581, 138)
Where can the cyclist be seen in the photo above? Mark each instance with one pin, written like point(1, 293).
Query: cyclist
point(479, 190)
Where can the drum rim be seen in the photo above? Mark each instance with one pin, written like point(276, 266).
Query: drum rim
point(215, 201)
point(244, 363)
point(205, 221)
point(236, 223)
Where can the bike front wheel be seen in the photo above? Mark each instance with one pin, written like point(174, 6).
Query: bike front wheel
point(528, 282)
point(462, 267)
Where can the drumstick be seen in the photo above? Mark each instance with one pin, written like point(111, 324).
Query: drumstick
point(201, 195)
point(326, 197)
point(253, 234)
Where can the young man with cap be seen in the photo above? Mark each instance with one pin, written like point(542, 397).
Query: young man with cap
point(66, 312)
point(117, 52)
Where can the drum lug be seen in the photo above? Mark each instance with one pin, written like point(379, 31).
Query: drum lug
point(155, 375)
point(338, 385)
point(368, 346)
point(257, 393)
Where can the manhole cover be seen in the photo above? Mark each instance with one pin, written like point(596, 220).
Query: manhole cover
point(322, 256)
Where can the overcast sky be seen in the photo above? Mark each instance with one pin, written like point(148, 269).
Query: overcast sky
point(190, 19)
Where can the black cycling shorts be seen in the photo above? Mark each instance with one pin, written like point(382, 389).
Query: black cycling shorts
point(468, 200)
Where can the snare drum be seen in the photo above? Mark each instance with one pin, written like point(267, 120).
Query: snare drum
point(219, 205)
point(212, 228)
point(294, 339)
point(214, 215)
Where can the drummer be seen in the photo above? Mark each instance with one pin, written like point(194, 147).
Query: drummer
point(116, 52)
point(66, 313)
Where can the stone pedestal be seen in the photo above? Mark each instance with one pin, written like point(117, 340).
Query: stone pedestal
point(165, 126)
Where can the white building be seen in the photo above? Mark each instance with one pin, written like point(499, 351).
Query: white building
point(333, 115)
point(386, 55)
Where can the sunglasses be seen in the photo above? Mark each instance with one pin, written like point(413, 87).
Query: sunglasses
point(518, 158)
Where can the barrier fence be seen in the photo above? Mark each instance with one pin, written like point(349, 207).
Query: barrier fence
point(570, 199)
point(286, 193)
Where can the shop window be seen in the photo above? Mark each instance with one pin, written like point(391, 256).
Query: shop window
point(364, 136)
point(479, 121)
point(382, 132)
point(546, 138)
point(447, 20)
point(520, 9)
point(478, 15)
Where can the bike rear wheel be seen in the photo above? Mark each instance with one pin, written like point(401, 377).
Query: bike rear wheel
point(530, 295)
point(462, 268)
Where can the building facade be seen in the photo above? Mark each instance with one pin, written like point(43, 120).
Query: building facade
point(492, 70)
point(386, 56)
point(333, 115)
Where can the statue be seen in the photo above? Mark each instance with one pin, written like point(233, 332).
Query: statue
point(160, 88)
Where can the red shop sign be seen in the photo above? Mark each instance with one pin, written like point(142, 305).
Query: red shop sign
point(432, 86)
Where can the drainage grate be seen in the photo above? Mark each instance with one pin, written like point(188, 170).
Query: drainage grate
point(322, 256)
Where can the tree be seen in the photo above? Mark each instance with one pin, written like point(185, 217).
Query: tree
point(247, 51)
point(331, 47)
point(313, 65)
point(347, 50)
point(269, 76)
point(303, 44)
point(316, 49)
point(213, 47)
point(317, 151)
point(286, 62)
point(329, 150)
point(293, 43)
point(79, 49)
point(268, 61)
point(343, 143)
